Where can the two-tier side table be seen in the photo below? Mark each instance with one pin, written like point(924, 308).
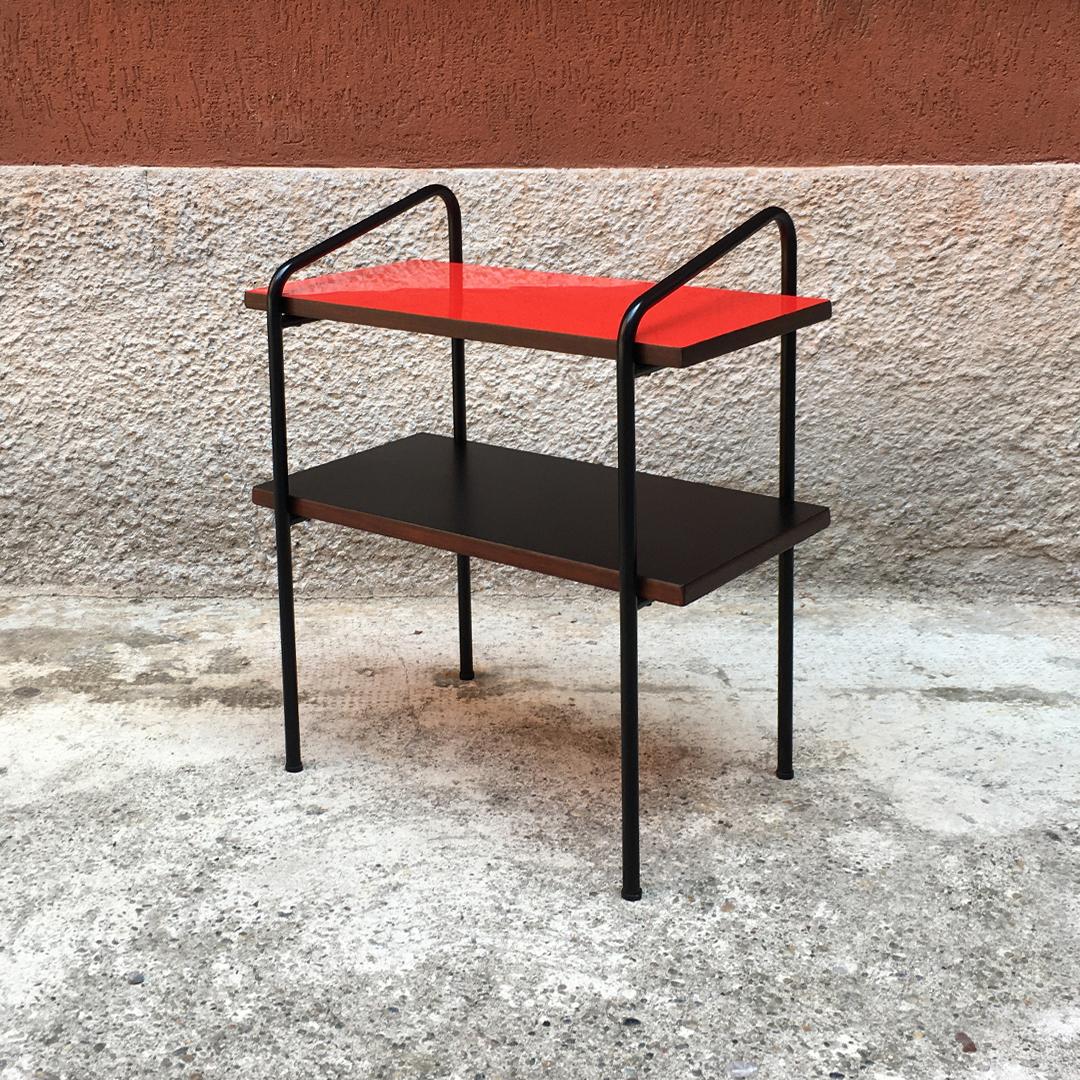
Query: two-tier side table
point(650, 538)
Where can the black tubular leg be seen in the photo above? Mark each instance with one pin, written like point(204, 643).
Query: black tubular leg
point(785, 666)
point(464, 574)
point(283, 541)
point(786, 578)
point(785, 659)
point(464, 607)
point(457, 361)
point(276, 320)
point(628, 639)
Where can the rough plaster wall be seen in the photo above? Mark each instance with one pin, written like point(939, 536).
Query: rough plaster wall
point(937, 411)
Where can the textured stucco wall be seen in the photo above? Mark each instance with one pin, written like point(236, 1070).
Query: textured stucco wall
point(938, 411)
point(545, 83)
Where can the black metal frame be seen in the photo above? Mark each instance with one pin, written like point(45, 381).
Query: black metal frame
point(276, 321)
point(627, 369)
point(629, 602)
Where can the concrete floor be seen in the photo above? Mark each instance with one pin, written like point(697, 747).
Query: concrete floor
point(436, 895)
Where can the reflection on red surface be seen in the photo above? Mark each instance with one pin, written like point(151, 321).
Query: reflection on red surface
point(536, 300)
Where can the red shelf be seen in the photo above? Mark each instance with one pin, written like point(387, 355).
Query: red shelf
point(557, 312)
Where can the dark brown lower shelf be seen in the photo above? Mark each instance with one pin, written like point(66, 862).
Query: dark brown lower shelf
point(549, 514)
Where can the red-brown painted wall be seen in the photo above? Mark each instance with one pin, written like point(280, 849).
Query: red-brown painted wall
point(545, 82)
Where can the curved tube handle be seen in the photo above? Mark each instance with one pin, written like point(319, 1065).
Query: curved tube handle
point(274, 295)
point(703, 260)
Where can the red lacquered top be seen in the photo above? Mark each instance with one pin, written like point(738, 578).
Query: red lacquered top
point(559, 312)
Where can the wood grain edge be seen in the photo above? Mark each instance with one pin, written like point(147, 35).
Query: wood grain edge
point(752, 335)
point(658, 356)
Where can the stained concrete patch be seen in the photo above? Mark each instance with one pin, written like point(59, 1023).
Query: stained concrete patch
point(436, 894)
point(1016, 695)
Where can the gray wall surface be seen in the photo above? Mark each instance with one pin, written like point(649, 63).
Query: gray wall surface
point(938, 410)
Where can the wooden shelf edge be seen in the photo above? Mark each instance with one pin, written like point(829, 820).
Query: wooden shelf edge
point(602, 577)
